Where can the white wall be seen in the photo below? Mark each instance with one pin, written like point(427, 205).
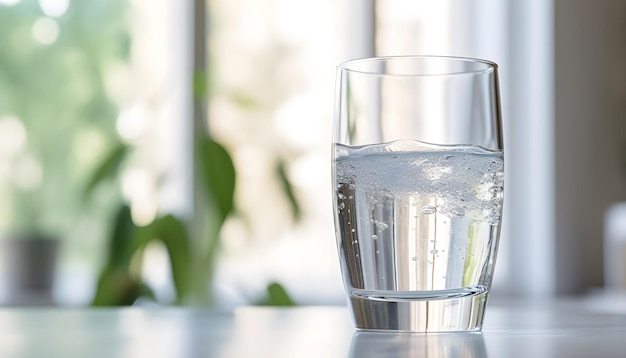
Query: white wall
point(590, 133)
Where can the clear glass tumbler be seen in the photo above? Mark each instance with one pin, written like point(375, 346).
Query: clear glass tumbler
point(418, 172)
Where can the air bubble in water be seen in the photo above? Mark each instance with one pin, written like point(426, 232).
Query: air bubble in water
point(342, 206)
point(428, 210)
point(381, 225)
point(434, 251)
point(415, 258)
point(341, 196)
point(493, 219)
point(458, 212)
point(374, 237)
point(353, 230)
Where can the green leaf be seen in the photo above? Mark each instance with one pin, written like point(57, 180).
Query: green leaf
point(217, 187)
point(121, 241)
point(218, 174)
point(277, 296)
point(118, 288)
point(108, 169)
point(173, 234)
point(116, 284)
point(288, 190)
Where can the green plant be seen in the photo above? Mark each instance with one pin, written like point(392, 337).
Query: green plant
point(276, 296)
point(192, 253)
point(191, 258)
point(120, 282)
point(192, 243)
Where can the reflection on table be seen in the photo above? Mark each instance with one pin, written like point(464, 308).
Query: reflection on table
point(448, 345)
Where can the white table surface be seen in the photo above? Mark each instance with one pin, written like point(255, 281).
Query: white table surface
point(558, 329)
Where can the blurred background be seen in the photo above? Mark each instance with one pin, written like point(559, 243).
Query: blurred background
point(124, 125)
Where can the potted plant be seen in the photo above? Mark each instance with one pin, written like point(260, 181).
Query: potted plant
point(29, 261)
point(29, 256)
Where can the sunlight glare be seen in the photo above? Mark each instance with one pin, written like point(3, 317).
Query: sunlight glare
point(138, 187)
point(12, 136)
point(45, 31)
point(131, 123)
point(9, 2)
point(54, 8)
point(28, 173)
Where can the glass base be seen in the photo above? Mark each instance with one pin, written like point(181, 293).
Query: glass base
point(435, 311)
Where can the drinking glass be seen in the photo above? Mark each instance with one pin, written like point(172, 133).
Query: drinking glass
point(418, 170)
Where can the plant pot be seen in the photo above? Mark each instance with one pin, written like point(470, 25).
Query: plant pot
point(29, 266)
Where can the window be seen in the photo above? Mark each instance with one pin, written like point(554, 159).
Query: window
point(78, 78)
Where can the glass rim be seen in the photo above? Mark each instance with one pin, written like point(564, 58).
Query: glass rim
point(490, 66)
